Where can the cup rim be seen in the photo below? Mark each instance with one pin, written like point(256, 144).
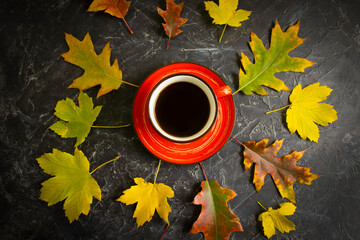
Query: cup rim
point(203, 131)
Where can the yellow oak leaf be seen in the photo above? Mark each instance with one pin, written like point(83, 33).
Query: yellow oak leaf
point(305, 110)
point(98, 70)
point(148, 197)
point(272, 219)
point(72, 182)
point(226, 13)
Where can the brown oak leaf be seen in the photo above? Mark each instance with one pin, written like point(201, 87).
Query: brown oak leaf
point(283, 170)
point(172, 18)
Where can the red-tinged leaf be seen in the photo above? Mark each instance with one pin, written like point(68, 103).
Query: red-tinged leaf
point(283, 170)
point(116, 8)
point(216, 220)
point(172, 18)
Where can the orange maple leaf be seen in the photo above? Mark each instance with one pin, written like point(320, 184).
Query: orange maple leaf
point(172, 18)
point(116, 8)
point(283, 170)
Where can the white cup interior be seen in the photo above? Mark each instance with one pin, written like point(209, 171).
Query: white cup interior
point(189, 79)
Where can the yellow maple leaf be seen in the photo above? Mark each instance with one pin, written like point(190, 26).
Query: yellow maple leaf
point(272, 219)
point(148, 197)
point(226, 13)
point(72, 181)
point(305, 110)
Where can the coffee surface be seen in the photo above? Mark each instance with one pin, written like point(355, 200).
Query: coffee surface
point(182, 109)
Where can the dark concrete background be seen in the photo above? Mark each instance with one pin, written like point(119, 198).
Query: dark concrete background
point(33, 77)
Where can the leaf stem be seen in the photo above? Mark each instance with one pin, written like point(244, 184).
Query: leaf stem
point(114, 5)
point(262, 206)
point(278, 109)
point(112, 160)
point(127, 26)
point(127, 125)
point(131, 84)
point(157, 171)
point(237, 91)
point(238, 141)
point(222, 34)
point(167, 47)
point(164, 232)
point(203, 172)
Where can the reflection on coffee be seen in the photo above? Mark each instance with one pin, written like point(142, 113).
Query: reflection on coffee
point(182, 109)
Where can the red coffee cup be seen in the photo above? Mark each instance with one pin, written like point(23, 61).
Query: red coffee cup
point(183, 113)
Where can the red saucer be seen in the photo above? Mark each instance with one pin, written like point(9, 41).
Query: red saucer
point(183, 153)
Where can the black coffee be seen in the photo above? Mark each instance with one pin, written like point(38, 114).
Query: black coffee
point(182, 109)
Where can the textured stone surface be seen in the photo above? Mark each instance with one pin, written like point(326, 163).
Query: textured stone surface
point(33, 77)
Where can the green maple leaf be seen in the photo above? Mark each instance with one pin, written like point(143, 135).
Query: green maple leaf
point(271, 61)
point(72, 181)
point(76, 121)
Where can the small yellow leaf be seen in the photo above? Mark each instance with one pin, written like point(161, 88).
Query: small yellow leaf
point(272, 219)
point(148, 197)
point(226, 13)
point(306, 110)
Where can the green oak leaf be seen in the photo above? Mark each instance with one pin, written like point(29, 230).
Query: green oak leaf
point(268, 62)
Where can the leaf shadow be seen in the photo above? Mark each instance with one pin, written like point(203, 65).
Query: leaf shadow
point(196, 213)
point(207, 21)
point(205, 17)
point(155, 17)
point(283, 119)
point(235, 76)
point(251, 174)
